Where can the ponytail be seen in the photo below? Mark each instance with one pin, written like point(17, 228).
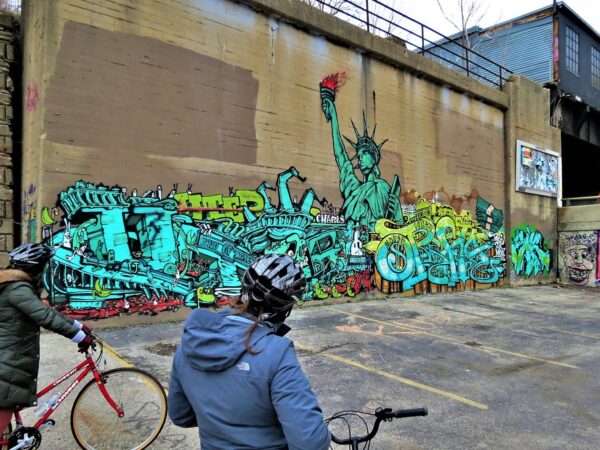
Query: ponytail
point(257, 313)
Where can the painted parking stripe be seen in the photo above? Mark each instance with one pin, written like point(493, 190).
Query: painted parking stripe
point(391, 376)
point(532, 311)
point(511, 320)
point(481, 347)
point(124, 362)
point(116, 356)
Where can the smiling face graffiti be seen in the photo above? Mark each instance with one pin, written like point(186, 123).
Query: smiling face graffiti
point(578, 253)
point(579, 262)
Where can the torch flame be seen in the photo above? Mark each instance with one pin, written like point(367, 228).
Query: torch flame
point(334, 81)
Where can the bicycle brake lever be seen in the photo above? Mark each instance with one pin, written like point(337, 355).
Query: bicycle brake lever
point(384, 414)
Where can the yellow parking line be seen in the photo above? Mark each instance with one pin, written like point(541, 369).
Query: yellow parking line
point(122, 360)
point(453, 340)
point(533, 327)
point(117, 356)
point(391, 376)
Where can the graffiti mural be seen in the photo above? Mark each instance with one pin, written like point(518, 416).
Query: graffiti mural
point(434, 247)
point(417, 244)
point(530, 254)
point(578, 258)
point(125, 253)
point(29, 213)
point(120, 250)
point(369, 199)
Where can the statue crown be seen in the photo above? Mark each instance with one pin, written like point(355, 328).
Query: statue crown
point(366, 142)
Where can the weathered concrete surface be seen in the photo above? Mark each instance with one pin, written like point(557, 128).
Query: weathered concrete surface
point(498, 369)
point(340, 31)
point(210, 93)
point(527, 120)
point(577, 218)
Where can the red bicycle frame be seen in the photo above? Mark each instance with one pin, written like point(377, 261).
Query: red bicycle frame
point(86, 367)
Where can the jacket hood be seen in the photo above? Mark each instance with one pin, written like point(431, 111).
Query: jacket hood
point(13, 275)
point(215, 341)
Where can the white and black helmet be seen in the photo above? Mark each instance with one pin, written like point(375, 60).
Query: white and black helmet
point(276, 282)
point(30, 258)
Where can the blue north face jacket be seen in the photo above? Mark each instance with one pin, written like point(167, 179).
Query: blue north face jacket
point(239, 400)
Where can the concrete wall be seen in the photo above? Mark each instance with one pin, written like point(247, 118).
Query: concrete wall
point(9, 68)
point(178, 120)
point(531, 218)
point(578, 244)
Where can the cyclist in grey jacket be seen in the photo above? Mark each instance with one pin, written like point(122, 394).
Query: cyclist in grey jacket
point(236, 378)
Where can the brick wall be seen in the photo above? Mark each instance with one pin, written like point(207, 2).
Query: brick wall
point(8, 36)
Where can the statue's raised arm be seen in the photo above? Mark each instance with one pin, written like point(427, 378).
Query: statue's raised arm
point(328, 87)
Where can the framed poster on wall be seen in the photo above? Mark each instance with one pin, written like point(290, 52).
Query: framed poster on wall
point(538, 170)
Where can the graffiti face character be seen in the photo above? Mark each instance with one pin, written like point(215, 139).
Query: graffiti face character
point(579, 263)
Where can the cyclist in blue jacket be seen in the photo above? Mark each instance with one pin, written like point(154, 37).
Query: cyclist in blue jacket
point(236, 378)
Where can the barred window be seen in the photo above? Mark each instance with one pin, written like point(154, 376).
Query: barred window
point(572, 52)
point(595, 67)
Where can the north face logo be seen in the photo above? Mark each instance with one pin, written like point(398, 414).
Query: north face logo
point(244, 366)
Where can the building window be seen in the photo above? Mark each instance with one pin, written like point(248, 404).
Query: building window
point(595, 67)
point(572, 51)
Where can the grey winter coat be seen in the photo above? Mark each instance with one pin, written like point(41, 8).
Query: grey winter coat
point(22, 313)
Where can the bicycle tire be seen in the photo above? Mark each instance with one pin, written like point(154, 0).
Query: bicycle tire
point(95, 424)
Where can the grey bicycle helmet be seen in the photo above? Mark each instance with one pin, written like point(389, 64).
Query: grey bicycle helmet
point(275, 282)
point(30, 258)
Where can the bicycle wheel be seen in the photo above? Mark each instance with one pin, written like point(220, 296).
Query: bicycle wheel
point(96, 425)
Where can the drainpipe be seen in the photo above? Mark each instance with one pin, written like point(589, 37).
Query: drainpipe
point(555, 54)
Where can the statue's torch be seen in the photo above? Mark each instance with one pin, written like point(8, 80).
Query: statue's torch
point(331, 84)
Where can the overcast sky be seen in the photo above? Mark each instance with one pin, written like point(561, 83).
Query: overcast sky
point(428, 11)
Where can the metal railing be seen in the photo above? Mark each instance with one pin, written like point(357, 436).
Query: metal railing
point(579, 201)
point(385, 21)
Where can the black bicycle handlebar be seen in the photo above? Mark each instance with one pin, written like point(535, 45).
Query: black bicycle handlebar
point(400, 413)
point(381, 414)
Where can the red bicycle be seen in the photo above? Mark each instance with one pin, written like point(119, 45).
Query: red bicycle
point(119, 409)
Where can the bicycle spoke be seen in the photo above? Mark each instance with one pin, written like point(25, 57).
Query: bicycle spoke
point(96, 424)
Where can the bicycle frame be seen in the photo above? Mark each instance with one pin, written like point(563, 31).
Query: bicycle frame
point(85, 368)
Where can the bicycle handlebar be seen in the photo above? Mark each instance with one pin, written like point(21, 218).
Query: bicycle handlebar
point(381, 414)
point(415, 412)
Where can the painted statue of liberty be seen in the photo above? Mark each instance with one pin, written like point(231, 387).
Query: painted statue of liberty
point(369, 199)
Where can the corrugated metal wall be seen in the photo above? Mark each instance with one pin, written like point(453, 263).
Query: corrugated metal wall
point(525, 49)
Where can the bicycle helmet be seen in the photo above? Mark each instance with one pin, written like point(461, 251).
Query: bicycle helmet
point(276, 283)
point(30, 258)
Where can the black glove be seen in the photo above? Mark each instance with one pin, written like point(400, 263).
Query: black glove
point(85, 345)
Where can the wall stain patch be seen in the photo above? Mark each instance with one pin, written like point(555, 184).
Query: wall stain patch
point(120, 92)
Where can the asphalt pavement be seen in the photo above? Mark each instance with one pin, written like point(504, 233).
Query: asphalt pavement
point(497, 369)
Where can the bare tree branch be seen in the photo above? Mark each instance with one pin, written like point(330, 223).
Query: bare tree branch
point(470, 14)
point(332, 7)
